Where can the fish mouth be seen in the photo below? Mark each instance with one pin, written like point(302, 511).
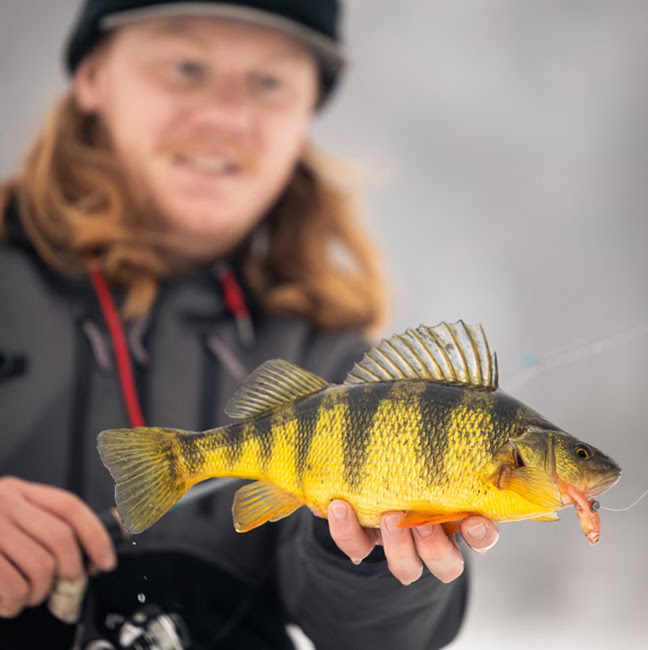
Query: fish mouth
point(604, 481)
point(605, 473)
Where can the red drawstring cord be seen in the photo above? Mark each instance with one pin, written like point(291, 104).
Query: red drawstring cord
point(232, 293)
point(118, 338)
point(235, 303)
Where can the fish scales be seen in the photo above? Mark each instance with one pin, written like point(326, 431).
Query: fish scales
point(390, 474)
point(364, 404)
point(437, 408)
point(306, 428)
point(323, 471)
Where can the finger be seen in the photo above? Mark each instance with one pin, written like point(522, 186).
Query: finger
point(56, 535)
point(30, 559)
point(14, 590)
point(86, 525)
point(480, 533)
point(400, 549)
point(436, 549)
point(351, 538)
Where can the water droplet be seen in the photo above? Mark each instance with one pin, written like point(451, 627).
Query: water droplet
point(141, 598)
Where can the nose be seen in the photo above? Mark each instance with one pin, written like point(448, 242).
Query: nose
point(226, 103)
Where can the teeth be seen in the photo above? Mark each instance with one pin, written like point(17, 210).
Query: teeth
point(209, 163)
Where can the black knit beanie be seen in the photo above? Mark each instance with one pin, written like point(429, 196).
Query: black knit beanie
point(314, 22)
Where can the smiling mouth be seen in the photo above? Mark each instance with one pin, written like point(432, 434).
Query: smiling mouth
point(209, 164)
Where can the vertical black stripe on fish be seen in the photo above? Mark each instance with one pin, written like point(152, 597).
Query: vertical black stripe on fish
point(364, 401)
point(439, 405)
point(230, 440)
point(506, 414)
point(308, 413)
point(191, 450)
point(175, 462)
point(262, 432)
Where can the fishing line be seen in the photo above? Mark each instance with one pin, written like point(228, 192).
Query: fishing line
point(535, 365)
point(632, 505)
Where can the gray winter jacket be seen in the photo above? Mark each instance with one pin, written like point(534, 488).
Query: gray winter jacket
point(59, 389)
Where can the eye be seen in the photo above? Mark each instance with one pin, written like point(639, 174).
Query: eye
point(583, 451)
point(266, 81)
point(189, 69)
point(181, 71)
point(267, 85)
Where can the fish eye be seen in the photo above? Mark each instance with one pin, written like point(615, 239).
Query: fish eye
point(583, 451)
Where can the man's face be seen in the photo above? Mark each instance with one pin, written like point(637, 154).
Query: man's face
point(207, 118)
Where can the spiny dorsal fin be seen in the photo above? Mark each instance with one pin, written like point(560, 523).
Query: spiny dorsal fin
point(450, 353)
point(273, 384)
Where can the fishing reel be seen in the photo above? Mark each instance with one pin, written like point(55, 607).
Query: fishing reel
point(149, 628)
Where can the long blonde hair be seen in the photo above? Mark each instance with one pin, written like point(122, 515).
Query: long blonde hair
point(308, 257)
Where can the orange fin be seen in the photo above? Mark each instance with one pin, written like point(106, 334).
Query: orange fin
point(260, 502)
point(531, 484)
point(412, 519)
point(451, 527)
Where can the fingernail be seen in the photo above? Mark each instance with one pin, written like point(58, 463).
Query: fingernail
point(340, 512)
point(477, 531)
point(424, 531)
point(390, 523)
point(490, 546)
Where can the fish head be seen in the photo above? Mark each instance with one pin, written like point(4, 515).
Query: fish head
point(567, 460)
point(583, 466)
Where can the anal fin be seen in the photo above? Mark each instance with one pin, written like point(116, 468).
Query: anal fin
point(412, 519)
point(451, 527)
point(259, 502)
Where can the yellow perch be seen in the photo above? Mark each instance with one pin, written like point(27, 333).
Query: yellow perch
point(418, 426)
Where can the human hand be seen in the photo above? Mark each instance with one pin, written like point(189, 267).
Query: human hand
point(408, 549)
point(43, 532)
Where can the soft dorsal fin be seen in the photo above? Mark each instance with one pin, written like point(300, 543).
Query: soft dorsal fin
point(273, 384)
point(450, 353)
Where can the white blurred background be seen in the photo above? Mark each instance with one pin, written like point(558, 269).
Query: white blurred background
point(509, 141)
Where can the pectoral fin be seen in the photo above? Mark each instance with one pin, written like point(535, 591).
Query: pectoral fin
point(260, 502)
point(412, 519)
point(532, 484)
point(550, 516)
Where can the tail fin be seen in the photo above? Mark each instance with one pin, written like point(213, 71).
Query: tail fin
point(148, 469)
